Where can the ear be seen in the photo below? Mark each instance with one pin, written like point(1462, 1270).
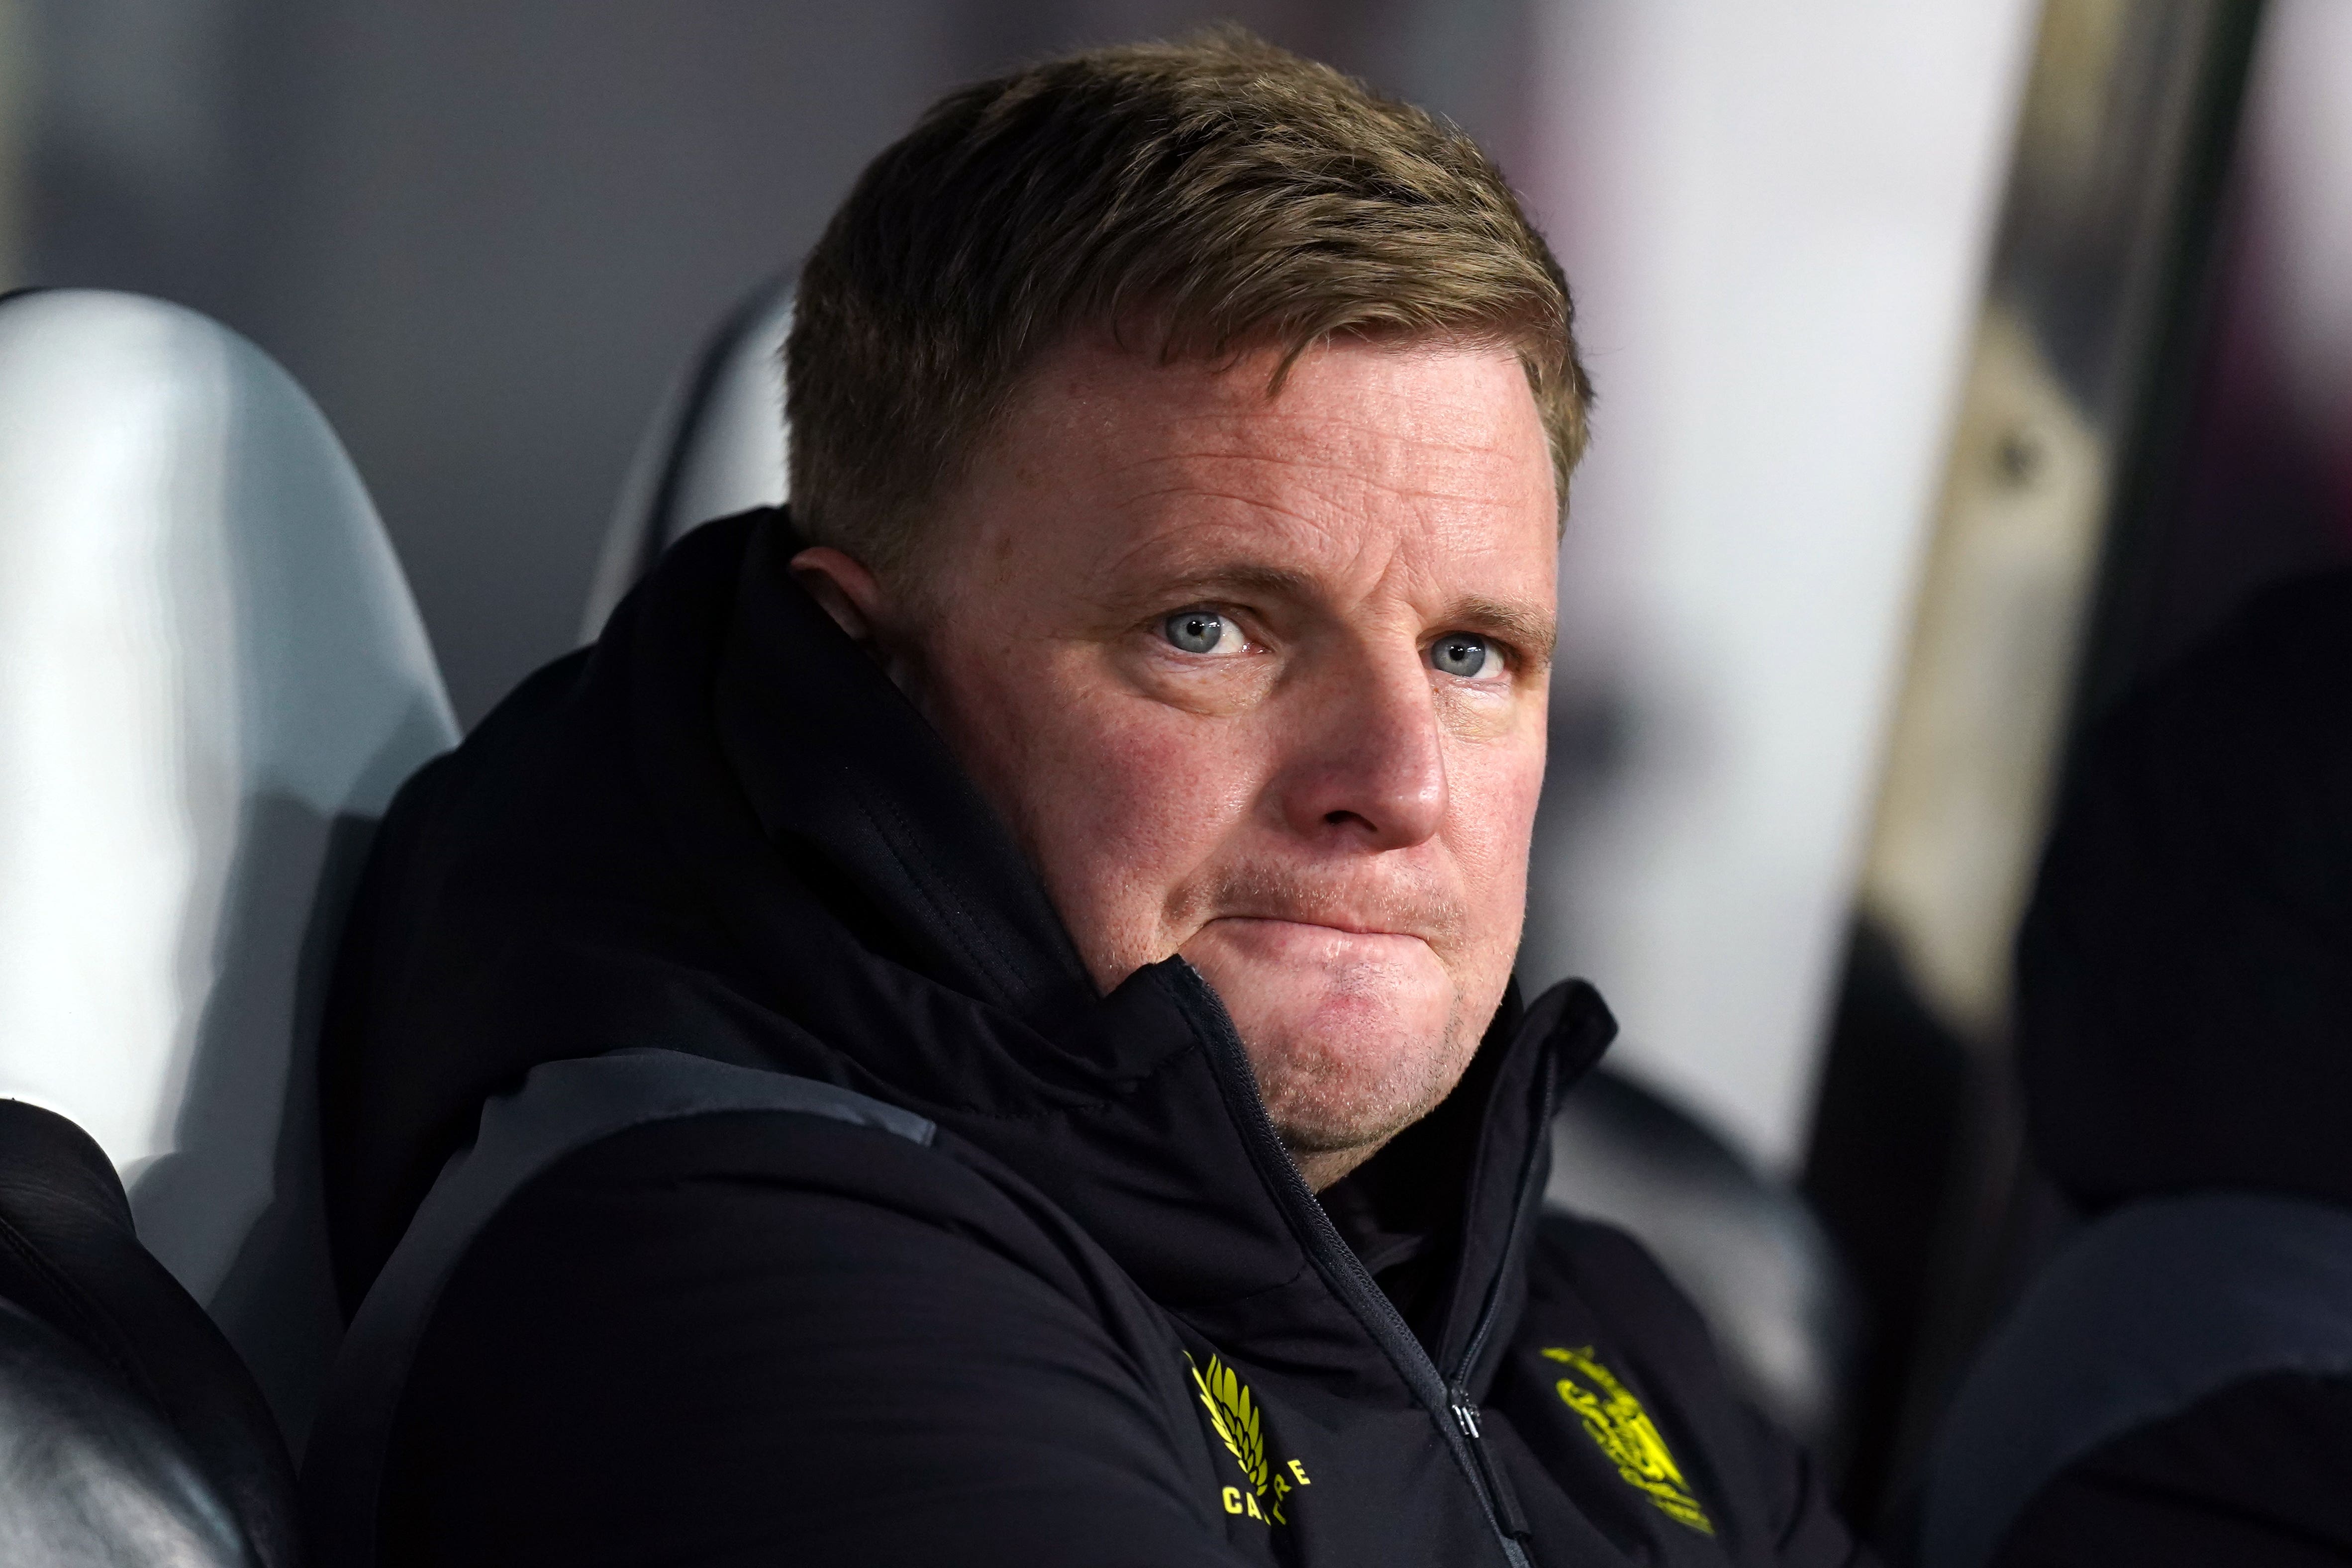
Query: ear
point(846, 588)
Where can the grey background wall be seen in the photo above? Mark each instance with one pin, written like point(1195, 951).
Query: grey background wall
point(485, 235)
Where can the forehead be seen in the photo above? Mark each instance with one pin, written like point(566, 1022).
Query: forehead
point(1423, 465)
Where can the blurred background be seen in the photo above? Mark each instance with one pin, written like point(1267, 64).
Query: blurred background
point(1957, 362)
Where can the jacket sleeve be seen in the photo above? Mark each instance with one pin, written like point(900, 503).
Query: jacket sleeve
point(684, 1348)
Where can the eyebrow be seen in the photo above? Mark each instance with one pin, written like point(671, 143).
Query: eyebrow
point(1275, 582)
point(1532, 632)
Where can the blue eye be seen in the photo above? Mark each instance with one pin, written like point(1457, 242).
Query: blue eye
point(1464, 656)
point(1194, 631)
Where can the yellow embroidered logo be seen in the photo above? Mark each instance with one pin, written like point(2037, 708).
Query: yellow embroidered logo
point(1234, 1415)
point(1616, 1421)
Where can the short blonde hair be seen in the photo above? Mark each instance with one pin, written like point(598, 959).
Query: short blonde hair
point(1232, 194)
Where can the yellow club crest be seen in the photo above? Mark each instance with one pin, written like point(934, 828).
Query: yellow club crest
point(1237, 1421)
point(1236, 1417)
point(1616, 1421)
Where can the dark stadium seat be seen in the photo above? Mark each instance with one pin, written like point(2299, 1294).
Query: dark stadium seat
point(130, 1432)
point(2149, 1314)
point(2176, 1384)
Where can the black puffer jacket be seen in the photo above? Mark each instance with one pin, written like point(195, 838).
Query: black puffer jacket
point(1021, 1275)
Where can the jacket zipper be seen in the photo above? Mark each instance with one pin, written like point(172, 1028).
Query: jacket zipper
point(1511, 1518)
point(1502, 1499)
point(1449, 1403)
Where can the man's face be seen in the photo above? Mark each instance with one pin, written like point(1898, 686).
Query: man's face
point(1263, 682)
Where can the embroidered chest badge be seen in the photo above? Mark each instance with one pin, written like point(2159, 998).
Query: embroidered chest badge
point(1615, 1420)
point(1236, 1417)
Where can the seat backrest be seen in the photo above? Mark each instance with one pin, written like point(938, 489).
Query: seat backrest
point(212, 679)
point(716, 446)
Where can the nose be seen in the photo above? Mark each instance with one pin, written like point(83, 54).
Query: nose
point(1366, 766)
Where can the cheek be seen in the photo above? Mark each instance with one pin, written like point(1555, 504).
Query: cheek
point(1493, 787)
point(1118, 799)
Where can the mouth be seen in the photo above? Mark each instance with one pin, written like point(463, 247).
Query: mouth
point(1297, 934)
point(1323, 922)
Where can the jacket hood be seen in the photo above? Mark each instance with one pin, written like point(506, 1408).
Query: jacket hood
point(723, 830)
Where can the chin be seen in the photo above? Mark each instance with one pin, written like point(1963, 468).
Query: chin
point(1343, 1068)
point(1329, 1094)
point(1353, 1036)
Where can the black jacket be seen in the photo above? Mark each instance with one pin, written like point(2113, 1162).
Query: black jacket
point(1096, 1318)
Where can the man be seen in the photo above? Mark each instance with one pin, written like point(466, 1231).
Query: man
point(987, 1004)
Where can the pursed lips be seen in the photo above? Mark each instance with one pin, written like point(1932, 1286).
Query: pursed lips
point(1339, 932)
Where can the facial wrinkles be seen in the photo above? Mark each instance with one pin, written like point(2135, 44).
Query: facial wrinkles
point(1340, 467)
point(1326, 492)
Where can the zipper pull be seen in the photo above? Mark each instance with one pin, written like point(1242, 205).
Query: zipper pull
point(1498, 1486)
